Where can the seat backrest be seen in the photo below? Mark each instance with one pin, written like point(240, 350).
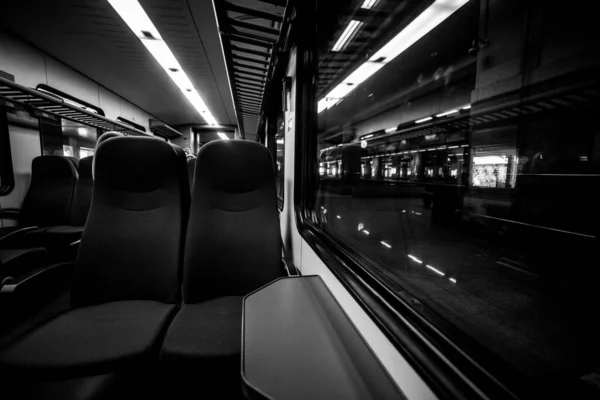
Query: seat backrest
point(132, 244)
point(48, 200)
point(233, 241)
point(191, 166)
point(83, 193)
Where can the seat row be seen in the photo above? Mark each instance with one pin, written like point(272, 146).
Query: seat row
point(160, 275)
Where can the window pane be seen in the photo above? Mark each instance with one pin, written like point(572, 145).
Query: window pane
point(459, 150)
point(280, 157)
point(67, 138)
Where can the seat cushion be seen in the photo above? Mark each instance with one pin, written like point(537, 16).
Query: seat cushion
point(206, 332)
point(91, 340)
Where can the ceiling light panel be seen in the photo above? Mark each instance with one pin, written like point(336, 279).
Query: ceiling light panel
point(138, 21)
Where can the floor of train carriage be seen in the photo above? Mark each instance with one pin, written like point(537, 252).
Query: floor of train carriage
point(534, 311)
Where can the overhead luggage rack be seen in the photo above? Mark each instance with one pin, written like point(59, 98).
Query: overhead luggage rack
point(42, 104)
point(163, 130)
point(250, 34)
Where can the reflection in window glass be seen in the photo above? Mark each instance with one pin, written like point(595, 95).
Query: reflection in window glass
point(280, 157)
point(464, 160)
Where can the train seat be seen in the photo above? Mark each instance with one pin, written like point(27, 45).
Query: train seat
point(48, 200)
point(232, 247)
point(82, 200)
point(127, 275)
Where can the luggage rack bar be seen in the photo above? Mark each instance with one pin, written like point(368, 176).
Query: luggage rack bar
point(42, 103)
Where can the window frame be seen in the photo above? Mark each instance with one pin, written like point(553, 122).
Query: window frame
point(436, 356)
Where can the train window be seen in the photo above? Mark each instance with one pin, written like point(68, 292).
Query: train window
point(280, 156)
point(7, 179)
point(63, 137)
point(460, 156)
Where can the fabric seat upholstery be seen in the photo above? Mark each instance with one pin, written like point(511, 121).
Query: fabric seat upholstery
point(48, 199)
point(206, 331)
point(104, 337)
point(127, 273)
point(62, 235)
point(233, 246)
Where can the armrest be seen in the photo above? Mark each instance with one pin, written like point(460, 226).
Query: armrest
point(38, 276)
point(10, 213)
point(6, 239)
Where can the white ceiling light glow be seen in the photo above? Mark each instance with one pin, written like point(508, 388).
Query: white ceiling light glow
point(434, 15)
point(222, 136)
point(347, 36)
point(138, 21)
point(368, 4)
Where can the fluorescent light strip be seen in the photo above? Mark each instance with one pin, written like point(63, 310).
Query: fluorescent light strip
point(437, 271)
point(466, 107)
point(366, 231)
point(434, 15)
point(447, 113)
point(415, 259)
point(419, 121)
point(338, 217)
point(385, 244)
point(367, 136)
point(452, 280)
point(138, 21)
point(279, 141)
point(222, 136)
point(391, 130)
point(368, 4)
point(347, 35)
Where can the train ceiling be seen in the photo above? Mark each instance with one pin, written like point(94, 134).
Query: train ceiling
point(89, 36)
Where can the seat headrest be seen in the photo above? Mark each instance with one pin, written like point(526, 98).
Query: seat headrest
point(53, 167)
point(134, 164)
point(233, 166)
point(85, 167)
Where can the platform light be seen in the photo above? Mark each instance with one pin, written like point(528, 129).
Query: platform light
point(138, 21)
point(360, 226)
point(368, 136)
point(338, 217)
point(347, 35)
point(367, 4)
point(466, 107)
point(447, 113)
point(222, 136)
point(279, 141)
point(366, 232)
point(415, 259)
point(391, 130)
point(452, 280)
point(420, 121)
point(437, 271)
point(385, 244)
point(434, 15)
